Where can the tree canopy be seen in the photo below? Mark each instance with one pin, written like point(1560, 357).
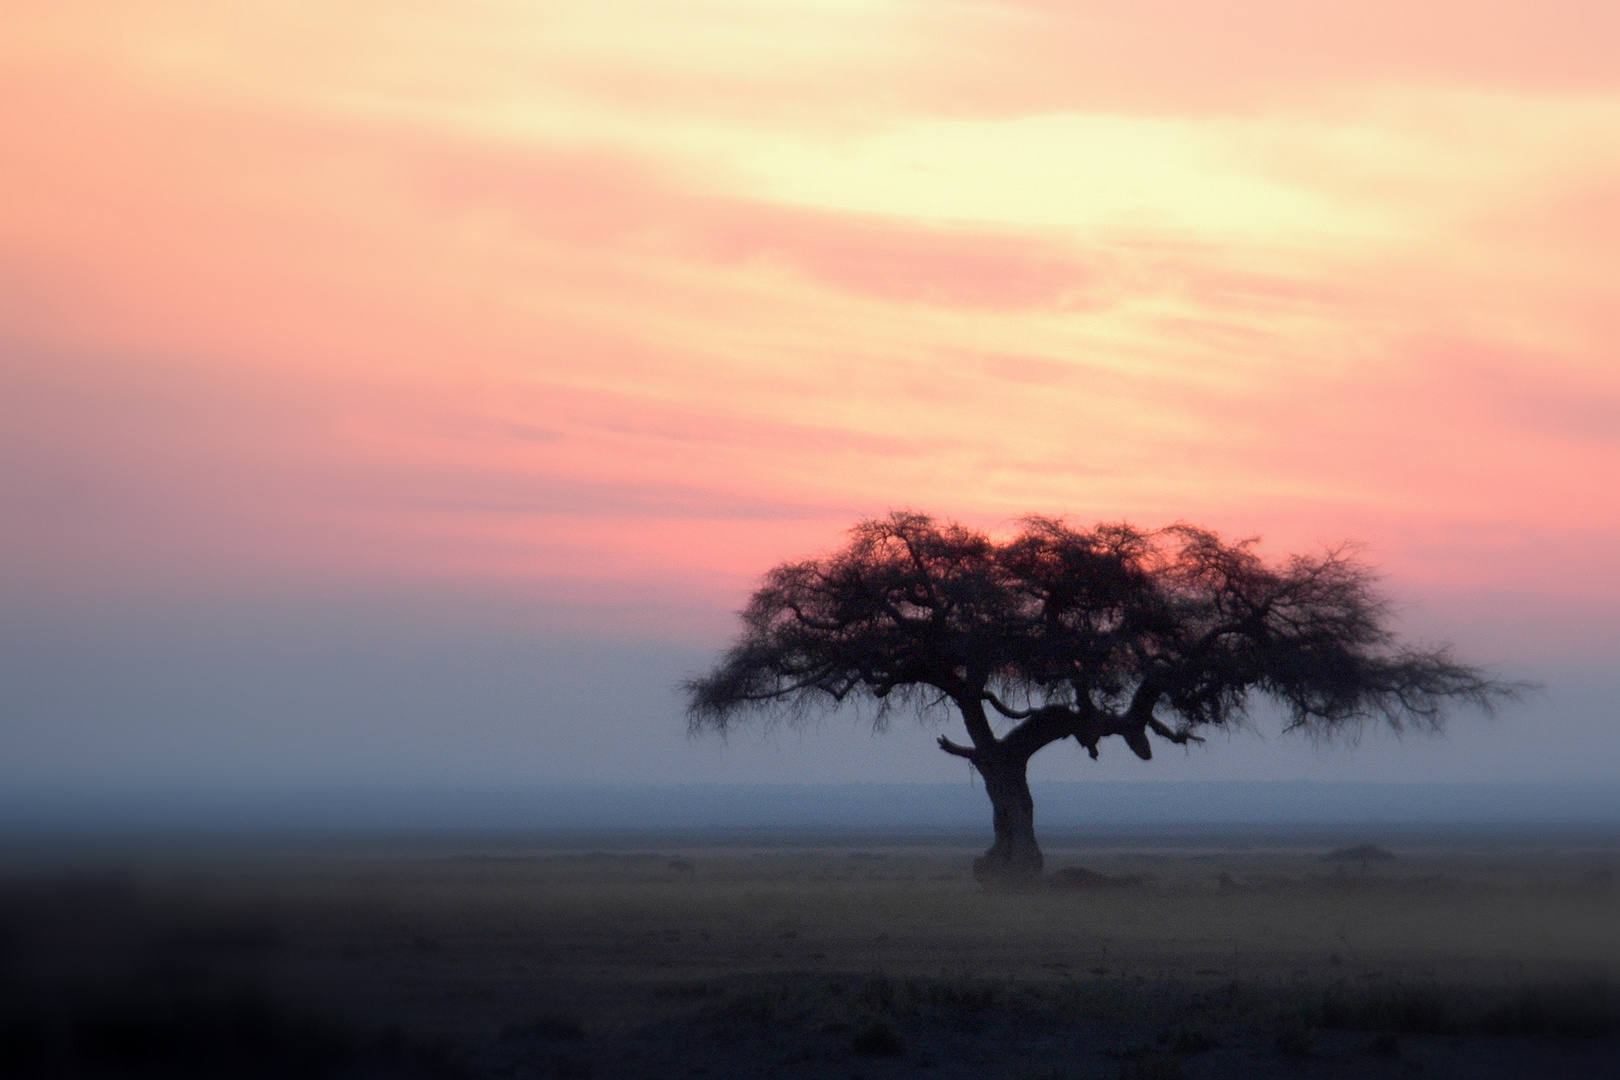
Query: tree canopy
point(1072, 633)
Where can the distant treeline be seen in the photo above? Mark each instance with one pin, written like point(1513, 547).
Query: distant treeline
point(859, 808)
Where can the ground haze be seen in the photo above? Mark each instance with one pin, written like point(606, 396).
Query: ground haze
point(1191, 953)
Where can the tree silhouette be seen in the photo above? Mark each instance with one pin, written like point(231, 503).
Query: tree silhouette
point(1062, 633)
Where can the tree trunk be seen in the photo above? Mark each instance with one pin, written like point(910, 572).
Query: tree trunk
point(1015, 858)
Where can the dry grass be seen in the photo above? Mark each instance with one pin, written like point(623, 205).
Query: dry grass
point(1185, 960)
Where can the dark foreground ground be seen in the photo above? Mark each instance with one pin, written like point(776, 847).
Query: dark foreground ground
point(513, 957)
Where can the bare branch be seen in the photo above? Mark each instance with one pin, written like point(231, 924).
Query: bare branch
point(1180, 736)
point(1004, 709)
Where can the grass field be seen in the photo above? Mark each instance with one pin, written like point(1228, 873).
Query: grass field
point(508, 957)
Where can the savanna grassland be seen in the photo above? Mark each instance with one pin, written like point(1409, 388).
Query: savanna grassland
point(510, 956)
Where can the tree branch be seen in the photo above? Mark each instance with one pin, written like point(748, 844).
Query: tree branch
point(1044, 726)
point(1181, 737)
point(978, 725)
point(1143, 702)
point(1129, 725)
point(1004, 709)
point(957, 749)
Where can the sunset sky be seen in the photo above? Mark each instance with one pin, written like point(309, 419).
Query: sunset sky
point(414, 389)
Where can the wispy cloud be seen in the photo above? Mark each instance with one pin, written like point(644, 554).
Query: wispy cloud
point(618, 292)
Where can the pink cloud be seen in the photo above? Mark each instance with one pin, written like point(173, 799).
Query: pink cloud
point(591, 199)
point(268, 341)
point(1186, 57)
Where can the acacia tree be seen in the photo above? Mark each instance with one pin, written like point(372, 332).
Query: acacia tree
point(1061, 633)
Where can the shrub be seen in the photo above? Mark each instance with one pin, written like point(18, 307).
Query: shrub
point(877, 1038)
point(1296, 1039)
